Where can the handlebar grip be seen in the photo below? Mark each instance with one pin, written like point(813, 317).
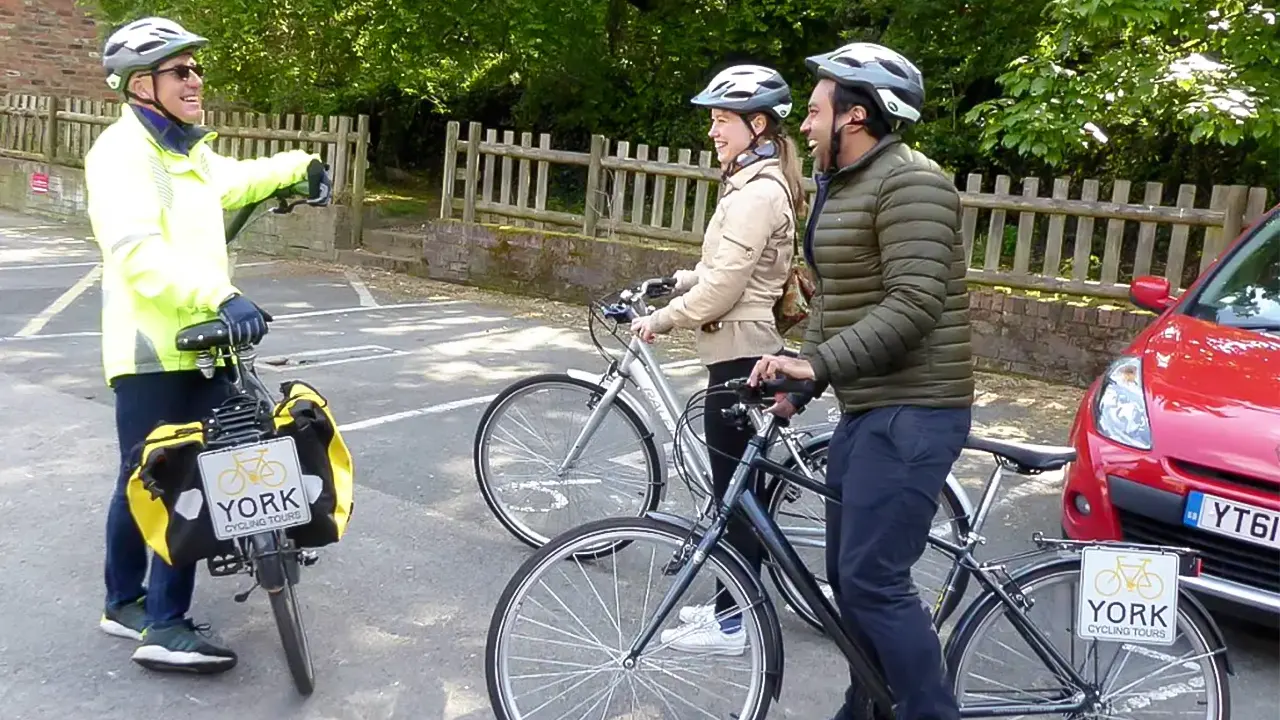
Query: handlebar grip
point(789, 386)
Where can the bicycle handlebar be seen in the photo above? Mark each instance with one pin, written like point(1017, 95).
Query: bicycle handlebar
point(764, 392)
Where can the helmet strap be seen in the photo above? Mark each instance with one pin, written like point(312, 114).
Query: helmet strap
point(756, 150)
point(833, 152)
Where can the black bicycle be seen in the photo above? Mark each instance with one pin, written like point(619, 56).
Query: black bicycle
point(255, 473)
point(1130, 591)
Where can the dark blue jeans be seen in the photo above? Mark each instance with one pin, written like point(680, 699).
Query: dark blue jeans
point(142, 403)
point(888, 465)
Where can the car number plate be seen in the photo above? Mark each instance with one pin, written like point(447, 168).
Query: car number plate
point(254, 488)
point(1233, 519)
point(1128, 595)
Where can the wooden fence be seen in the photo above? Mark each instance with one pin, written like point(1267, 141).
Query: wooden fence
point(1071, 241)
point(29, 131)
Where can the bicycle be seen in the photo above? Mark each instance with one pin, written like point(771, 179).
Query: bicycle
point(244, 424)
point(607, 397)
point(695, 545)
point(268, 473)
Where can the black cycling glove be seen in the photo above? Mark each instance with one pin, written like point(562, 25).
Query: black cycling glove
point(319, 184)
point(246, 322)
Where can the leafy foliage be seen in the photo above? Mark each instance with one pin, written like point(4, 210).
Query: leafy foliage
point(1174, 86)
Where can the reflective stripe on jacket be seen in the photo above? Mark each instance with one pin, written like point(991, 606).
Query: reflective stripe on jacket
point(157, 217)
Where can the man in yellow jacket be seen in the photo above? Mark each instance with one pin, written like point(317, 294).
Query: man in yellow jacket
point(156, 195)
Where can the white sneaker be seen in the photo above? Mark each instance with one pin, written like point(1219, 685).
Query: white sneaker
point(706, 640)
point(697, 614)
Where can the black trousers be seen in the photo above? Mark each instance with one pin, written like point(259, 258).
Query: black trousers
point(726, 444)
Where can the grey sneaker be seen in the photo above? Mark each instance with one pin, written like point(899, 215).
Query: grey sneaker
point(181, 648)
point(126, 621)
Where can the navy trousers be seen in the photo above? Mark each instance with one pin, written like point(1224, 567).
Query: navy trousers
point(143, 402)
point(888, 465)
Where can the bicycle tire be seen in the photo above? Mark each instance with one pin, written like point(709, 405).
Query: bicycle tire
point(759, 612)
point(774, 504)
point(644, 436)
point(974, 620)
point(284, 607)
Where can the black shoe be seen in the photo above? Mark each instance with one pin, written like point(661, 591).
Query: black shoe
point(181, 648)
point(126, 621)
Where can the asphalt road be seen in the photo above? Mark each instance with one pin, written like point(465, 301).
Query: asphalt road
point(397, 612)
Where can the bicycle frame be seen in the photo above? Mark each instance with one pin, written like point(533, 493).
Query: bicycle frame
point(661, 398)
point(991, 575)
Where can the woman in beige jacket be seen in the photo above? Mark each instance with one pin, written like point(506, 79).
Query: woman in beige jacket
point(728, 297)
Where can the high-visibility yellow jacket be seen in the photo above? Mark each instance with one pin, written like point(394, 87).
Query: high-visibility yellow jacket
point(157, 216)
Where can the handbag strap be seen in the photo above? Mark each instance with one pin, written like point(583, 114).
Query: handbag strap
point(795, 237)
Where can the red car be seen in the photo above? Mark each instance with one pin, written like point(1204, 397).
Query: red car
point(1178, 441)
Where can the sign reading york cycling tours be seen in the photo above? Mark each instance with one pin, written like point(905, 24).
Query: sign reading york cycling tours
point(254, 488)
point(1128, 596)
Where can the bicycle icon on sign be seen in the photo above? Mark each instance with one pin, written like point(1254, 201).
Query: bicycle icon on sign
point(1130, 576)
point(257, 471)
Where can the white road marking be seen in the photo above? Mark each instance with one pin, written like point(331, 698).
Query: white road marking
point(362, 291)
point(340, 311)
point(38, 322)
point(255, 264)
point(429, 410)
point(51, 336)
point(42, 266)
point(374, 352)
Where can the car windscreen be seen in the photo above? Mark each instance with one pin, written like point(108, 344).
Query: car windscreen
point(1245, 290)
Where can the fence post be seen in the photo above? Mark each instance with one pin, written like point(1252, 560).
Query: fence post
point(473, 161)
point(51, 131)
point(360, 165)
point(450, 169)
point(591, 212)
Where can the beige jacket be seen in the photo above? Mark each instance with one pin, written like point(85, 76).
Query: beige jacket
point(746, 255)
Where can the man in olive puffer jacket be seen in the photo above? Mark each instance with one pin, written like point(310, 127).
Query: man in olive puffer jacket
point(889, 333)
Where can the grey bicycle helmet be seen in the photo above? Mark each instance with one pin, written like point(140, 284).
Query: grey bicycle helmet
point(747, 89)
point(143, 44)
point(891, 80)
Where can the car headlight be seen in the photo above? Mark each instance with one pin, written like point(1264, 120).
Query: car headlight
point(1120, 411)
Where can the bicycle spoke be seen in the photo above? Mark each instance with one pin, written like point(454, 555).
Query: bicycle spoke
point(683, 700)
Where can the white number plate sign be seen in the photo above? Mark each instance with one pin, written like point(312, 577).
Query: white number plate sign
point(1128, 596)
point(254, 488)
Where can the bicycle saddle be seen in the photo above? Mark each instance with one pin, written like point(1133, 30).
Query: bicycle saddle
point(203, 336)
point(1039, 458)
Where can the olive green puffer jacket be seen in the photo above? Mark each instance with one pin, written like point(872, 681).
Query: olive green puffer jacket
point(889, 323)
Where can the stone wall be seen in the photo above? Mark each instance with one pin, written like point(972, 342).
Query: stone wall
point(50, 47)
point(57, 192)
point(1048, 339)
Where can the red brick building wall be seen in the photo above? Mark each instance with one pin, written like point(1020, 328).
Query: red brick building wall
point(50, 47)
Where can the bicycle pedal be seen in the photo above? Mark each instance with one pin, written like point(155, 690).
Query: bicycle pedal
point(225, 565)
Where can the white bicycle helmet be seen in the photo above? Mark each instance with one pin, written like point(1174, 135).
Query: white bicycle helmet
point(892, 81)
point(747, 89)
point(143, 44)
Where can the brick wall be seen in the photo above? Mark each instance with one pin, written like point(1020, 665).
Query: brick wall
point(1055, 340)
point(1052, 340)
point(50, 47)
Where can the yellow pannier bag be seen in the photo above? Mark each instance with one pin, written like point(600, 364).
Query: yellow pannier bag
point(167, 499)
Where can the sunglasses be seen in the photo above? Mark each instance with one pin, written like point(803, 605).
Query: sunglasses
point(183, 72)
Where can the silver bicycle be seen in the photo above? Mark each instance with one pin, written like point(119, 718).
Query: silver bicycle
point(557, 450)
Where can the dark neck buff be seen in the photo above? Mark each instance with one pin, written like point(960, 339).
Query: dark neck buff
point(171, 133)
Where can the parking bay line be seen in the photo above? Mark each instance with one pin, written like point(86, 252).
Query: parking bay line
point(37, 323)
point(429, 410)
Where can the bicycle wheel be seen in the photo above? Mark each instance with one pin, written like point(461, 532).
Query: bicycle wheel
point(593, 686)
point(278, 574)
point(628, 473)
point(800, 513)
point(988, 657)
